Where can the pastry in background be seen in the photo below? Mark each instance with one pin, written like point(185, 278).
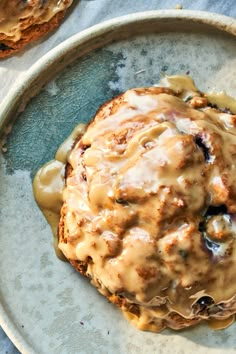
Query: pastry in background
point(24, 21)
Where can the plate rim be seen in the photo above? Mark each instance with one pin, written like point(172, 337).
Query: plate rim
point(14, 100)
point(12, 105)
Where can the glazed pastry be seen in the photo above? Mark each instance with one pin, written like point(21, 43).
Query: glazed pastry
point(149, 205)
point(23, 21)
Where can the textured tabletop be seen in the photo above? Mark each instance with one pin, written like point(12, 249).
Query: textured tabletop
point(85, 14)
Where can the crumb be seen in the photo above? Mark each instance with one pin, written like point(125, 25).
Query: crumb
point(82, 323)
point(178, 6)
point(140, 71)
point(4, 149)
point(164, 68)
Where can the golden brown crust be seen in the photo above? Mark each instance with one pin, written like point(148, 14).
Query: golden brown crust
point(81, 267)
point(29, 34)
point(130, 310)
point(180, 247)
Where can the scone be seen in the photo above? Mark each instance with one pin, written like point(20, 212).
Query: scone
point(149, 207)
point(23, 21)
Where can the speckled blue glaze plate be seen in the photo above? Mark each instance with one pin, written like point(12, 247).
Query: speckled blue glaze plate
point(45, 306)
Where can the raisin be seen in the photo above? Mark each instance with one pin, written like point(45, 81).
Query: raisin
point(4, 47)
point(121, 201)
point(211, 245)
point(205, 301)
point(216, 210)
point(213, 105)
point(183, 254)
point(199, 142)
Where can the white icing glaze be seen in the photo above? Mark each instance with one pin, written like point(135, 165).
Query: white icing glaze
point(49, 183)
point(137, 190)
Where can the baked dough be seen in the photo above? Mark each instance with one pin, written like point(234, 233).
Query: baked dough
point(23, 21)
point(149, 207)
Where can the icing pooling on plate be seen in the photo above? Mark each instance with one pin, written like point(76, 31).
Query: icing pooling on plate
point(187, 89)
point(173, 150)
point(49, 183)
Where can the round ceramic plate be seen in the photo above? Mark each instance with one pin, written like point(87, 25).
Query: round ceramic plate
point(45, 306)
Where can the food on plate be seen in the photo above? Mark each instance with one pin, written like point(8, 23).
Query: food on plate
point(23, 21)
point(148, 208)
